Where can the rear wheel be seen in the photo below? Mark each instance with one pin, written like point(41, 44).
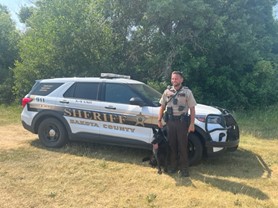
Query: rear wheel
point(52, 133)
point(195, 149)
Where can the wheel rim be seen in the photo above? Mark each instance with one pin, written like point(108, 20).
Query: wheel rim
point(51, 133)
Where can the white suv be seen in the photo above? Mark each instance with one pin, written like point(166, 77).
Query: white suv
point(116, 110)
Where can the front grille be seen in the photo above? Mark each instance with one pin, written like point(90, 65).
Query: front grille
point(233, 131)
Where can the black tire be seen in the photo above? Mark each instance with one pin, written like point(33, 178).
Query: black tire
point(232, 149)
point(195, 149)
point(52, 133)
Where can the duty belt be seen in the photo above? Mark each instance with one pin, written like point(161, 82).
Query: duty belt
point(178, 118)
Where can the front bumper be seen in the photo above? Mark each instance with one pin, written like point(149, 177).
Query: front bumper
point(232, 132)
point(227, 144)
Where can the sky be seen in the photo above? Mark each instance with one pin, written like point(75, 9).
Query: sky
point(14, 7)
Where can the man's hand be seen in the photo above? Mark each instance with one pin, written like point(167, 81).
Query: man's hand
point(191, 128)
point(159, 124)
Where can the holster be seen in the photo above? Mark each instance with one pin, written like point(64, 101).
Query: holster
point(183, 118)
point(168, 114)
point(165, 116)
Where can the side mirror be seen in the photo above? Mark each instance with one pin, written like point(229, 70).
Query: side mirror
point(136, 101)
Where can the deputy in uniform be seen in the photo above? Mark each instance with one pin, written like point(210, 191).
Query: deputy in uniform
point(177, 100)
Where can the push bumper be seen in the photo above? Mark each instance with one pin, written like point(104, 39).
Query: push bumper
point(232, 132)
point(222, 144)
point(213, 147)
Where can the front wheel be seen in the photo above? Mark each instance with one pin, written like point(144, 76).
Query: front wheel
point(195, 149)
point(52, 133)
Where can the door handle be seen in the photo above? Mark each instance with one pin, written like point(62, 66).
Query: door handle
point(110, 107)
point(64, 101)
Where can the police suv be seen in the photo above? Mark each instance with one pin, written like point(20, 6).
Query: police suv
point(114, 109)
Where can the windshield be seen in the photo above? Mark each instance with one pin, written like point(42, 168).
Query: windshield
point(148, 93)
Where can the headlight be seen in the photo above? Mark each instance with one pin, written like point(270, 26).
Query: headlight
point(216, 119)
point(211, 119)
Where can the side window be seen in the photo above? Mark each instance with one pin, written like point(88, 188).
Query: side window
point(83, 90)
point(44, 89)
point(118, 93)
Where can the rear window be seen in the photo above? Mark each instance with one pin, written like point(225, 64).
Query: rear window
point(44, 89)
point(83, 90)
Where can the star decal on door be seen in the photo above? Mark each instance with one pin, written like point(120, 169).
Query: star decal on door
point(140, 119)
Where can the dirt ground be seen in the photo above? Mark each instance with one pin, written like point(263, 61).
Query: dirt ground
point(14, 136)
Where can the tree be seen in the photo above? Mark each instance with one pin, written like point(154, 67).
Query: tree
point(25, 13)
point(243, 48)
point(65, 38)
point(221, 46)
point(9, 38)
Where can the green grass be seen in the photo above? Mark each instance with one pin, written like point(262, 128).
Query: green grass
point(90, 175)
point(259, 123)
point(10, 114)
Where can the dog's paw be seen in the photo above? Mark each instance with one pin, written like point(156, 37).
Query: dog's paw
point(159, 172)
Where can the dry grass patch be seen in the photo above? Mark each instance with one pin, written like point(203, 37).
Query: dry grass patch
point(88, 175)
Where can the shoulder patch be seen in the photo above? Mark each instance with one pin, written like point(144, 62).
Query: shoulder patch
point(169, 93)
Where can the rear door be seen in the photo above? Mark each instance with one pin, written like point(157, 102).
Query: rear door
point(81, 107)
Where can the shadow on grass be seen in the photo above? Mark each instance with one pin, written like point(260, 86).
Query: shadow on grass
point(241, 164)
point(227, 186)
point(99, 151)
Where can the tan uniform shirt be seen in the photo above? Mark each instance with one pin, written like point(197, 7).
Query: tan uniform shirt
point(184, 100)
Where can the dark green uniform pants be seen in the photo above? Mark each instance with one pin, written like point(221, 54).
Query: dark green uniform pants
point(177, 137)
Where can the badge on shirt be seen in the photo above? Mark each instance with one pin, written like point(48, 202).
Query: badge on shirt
point(181, 95)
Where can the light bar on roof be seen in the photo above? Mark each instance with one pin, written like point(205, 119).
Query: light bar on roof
point(111, 75)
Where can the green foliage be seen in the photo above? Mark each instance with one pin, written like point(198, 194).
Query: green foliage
point(25, 13)
point(228, 50)
point(66, 38)
point(159, 86)
point(260, 86)
point(9, 38)
point(241, 41)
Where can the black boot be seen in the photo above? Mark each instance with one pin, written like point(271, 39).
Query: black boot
point(184, 173)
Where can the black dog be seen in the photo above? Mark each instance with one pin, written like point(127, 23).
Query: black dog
point(160, 155)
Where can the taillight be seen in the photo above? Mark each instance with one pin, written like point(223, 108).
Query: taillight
point(25, 100)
